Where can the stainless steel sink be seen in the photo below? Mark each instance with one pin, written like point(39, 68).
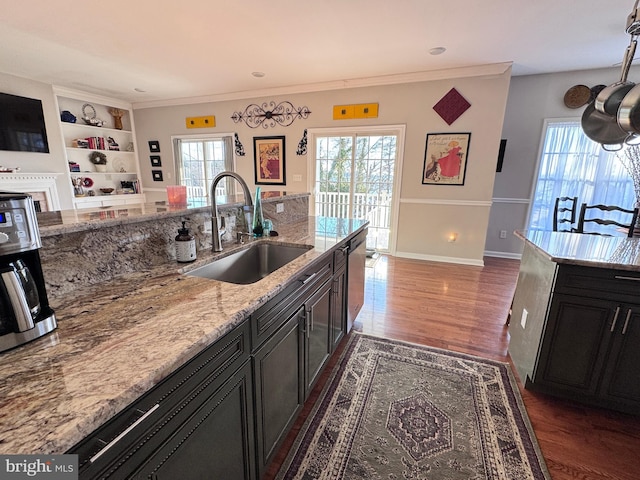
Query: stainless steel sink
point(251, 264)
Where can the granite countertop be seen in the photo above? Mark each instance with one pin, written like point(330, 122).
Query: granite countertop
point(620, 253)
point(69, 221)
point(117, 340)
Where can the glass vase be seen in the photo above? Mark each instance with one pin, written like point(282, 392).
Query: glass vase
point(258, 218)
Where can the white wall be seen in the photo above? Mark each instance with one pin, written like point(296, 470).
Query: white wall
point(55, 160)
point(532, 99)
point(428, 213)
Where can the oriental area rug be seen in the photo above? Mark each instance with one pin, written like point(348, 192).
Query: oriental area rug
point(393, 410)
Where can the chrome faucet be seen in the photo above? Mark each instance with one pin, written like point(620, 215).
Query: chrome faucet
point(216, 230)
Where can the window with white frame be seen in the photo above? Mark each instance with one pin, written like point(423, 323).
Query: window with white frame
point(572, 165)
point(198, 160)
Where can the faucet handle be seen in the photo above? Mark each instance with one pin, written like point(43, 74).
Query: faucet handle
point(240, 237)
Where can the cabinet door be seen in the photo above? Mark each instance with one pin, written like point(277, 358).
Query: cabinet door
point(278, 386)
point(621, 380)
point(339, 314)
point(215, 441)
point(574, 345)
point(317, 332)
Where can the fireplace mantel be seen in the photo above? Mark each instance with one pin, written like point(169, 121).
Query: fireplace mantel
point(42, 186)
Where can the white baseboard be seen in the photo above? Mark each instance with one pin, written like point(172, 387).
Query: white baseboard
point(442, 259)
point(514, 256)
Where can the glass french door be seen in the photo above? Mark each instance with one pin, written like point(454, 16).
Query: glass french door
point(355, 176)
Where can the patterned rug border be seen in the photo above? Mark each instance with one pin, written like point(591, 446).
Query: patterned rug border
point(534, 454)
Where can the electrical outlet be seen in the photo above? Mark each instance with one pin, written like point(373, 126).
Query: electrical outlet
point(503, 234)
point(523, 320)
point(279, 207)
point(207, 226)
point(297, 178)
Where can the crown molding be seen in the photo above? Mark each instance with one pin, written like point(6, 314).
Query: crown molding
point(462, 72)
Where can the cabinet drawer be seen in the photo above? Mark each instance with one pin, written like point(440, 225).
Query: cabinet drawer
point(269, 318)
point(619, 285)
point(209, 369)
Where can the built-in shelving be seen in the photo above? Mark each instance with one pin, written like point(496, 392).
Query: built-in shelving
point(122, 169)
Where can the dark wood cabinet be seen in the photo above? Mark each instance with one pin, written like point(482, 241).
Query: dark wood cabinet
point(286, 367)
point(279, 386)
point(215, 438)
point(575, 332)
point(621, 379)
point(173, 431)
point(574, 346)
point(317, 330)
point(225, 413)
point(339, 314)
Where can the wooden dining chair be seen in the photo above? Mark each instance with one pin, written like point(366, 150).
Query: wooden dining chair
point(564, 214)
point(601, 211)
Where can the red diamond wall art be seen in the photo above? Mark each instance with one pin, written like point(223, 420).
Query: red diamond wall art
point(451, 106)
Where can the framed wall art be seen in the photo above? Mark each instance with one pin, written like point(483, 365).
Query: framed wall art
point(269, 160)
point(445, 158)
point(154, 146)
point(155, 160)
point(157, 175)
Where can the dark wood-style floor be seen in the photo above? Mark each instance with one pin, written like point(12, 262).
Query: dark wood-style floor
point(463, 308)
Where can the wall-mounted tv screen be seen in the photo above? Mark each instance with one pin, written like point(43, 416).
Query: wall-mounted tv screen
point(22, 126)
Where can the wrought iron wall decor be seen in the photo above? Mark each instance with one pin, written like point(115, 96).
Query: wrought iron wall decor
point(268, 114)
point(238, 145)
point(302, 144)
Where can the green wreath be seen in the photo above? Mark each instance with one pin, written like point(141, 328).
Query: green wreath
point(98, 158)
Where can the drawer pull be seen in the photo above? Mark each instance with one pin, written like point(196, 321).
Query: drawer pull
point(615, 319)
point(119, 437)
point(622, 277)
point(304, 282)
point(626, 322)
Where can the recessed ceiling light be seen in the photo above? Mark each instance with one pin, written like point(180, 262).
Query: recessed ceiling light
point(437, 51)
point(258, 74)
point(141, 90)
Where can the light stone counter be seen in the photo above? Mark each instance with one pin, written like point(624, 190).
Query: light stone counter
point(118, 338)
point(620, 253)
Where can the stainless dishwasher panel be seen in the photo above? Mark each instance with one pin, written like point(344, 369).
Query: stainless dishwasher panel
point(355, 272)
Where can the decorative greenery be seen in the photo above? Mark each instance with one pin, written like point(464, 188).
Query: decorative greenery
point(98, 158)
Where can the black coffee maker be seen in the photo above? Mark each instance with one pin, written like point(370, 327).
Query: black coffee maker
point(24, 308)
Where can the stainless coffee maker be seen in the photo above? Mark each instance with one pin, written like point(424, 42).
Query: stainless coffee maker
point(24, 308)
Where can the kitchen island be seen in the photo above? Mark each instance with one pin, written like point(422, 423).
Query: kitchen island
point(121, 336)
point(575, 322)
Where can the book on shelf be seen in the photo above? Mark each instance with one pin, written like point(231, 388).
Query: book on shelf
point(95, 143)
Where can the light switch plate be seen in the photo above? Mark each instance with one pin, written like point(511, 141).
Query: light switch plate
point(523, 320)
point(297, 178)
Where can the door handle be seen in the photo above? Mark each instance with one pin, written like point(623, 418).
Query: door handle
point(615, 319)
point(307, 280)
point(309, 315)
point(626, 322)
point(622, 277)
point(119, 437)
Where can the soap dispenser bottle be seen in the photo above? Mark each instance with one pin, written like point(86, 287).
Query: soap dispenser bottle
point(185, 245)
point(258, 218)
